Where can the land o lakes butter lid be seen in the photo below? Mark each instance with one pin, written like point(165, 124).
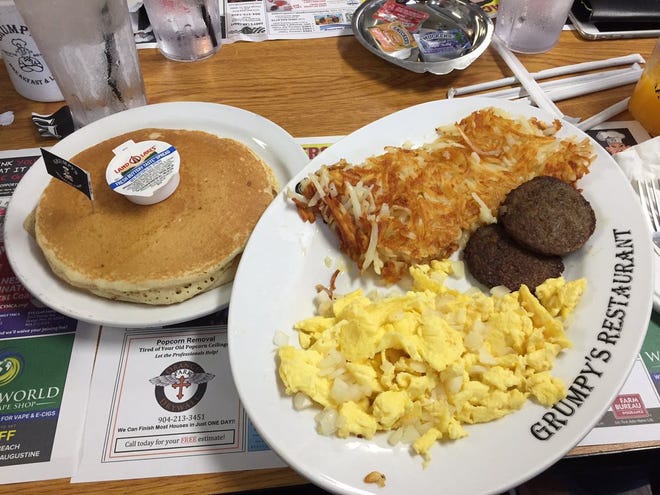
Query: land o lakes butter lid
point(146, 172)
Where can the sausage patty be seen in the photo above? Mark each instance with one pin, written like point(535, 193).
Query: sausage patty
point(547, 216)
point(493, 258)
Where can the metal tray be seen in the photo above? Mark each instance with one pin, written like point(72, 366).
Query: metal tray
point(443, 14)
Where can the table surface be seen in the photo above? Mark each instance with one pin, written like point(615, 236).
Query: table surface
point(316, 87)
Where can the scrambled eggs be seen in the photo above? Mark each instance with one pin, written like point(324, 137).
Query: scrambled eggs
point(424, 363)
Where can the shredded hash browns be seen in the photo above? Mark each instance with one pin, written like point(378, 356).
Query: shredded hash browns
point(412, 205)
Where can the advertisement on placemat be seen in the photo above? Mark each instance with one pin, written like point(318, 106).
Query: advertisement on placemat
point(175, 377)
point(12, 170)
point(41, 397)
point(651, 356)
point(166, 397)
point(20, 313)
point(29, 402)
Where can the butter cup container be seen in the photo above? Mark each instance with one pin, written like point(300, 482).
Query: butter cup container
point(146, 172)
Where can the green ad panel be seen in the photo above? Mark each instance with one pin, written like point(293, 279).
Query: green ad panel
point(650, 352)
point(33, 372)
point(32, 377)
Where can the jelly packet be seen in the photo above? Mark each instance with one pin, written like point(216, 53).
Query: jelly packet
point(443, 44)
point(391, 11)
point(394, 39)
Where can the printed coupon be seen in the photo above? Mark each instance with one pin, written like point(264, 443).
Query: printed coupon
point(166, 397)
point(175, 377)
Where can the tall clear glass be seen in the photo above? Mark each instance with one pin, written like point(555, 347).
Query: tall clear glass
point(89, 47)
point(186, 30)
point(531, 26)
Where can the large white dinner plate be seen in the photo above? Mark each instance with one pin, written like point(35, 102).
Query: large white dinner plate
point(272, 143)
point(274, 291)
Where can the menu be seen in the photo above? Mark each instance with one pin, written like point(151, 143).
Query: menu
point(161, 401)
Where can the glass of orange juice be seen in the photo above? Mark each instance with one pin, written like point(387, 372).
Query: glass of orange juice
point(645, 101)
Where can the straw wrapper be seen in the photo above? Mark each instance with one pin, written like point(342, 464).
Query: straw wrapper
point(604, 115)
point(546, 93)
point(605, 82)
point(536, 93)
point(593, 81)
point(563, 70)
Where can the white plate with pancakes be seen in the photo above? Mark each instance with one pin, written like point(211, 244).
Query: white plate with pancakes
point(497, 455)
point(266, 139)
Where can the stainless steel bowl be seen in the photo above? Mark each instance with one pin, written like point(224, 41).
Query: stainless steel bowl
point(443, 14)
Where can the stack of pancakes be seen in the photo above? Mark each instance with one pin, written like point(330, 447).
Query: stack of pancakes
point(163, 253)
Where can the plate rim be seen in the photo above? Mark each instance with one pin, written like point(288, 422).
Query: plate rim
point(291, 158)
point(316, 474)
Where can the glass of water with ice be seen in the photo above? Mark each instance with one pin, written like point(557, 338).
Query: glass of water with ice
point(89, 47)
point(531, 26)
point(186, 30)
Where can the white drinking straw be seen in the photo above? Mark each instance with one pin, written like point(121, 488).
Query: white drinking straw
point(604, 115)
point(584, 88)
point(536, 93)
point(519, 92)
point(548, 73)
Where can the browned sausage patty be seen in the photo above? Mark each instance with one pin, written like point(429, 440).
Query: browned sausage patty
point(493, 258)
point(548, 216)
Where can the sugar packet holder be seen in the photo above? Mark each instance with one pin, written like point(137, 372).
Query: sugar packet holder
point(400, 31)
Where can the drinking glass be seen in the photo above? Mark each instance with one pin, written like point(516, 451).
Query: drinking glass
point(644, 103)
point(531, 26)
point(90, 49)
point(186, 30)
